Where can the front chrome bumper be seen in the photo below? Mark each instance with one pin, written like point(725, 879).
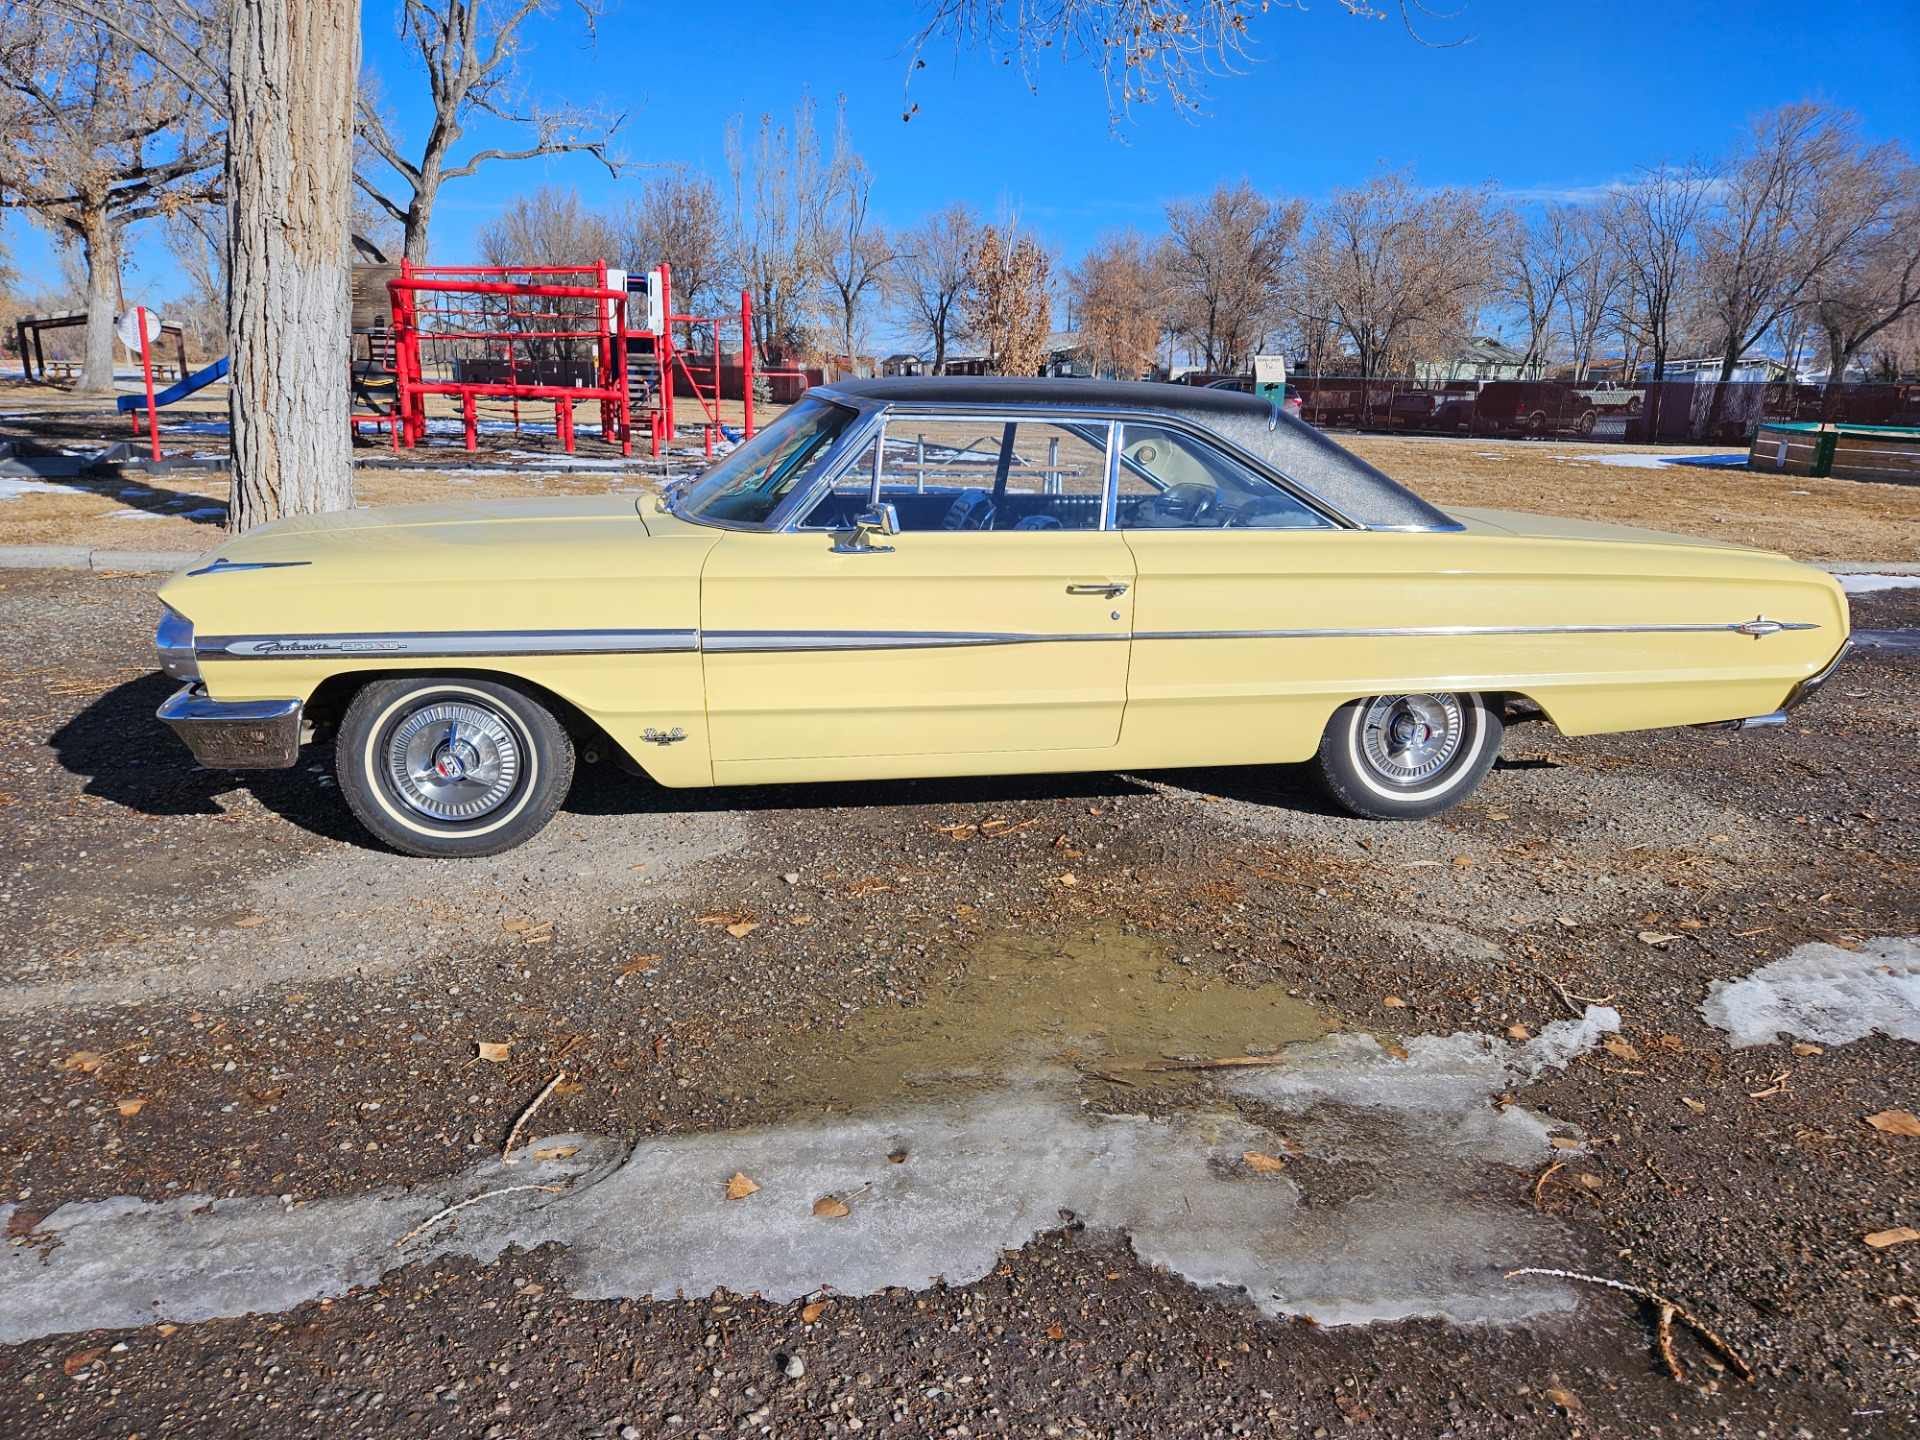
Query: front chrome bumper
point(235, 734)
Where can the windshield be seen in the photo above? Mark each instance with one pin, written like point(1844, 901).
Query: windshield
point(748, 485)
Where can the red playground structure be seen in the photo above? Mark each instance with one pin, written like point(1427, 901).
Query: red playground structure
point(535, 333)
point(564, 336)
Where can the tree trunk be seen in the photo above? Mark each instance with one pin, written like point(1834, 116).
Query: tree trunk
point(103, 304)
point(1718, 405)
point(420, 215)
point(289, 180)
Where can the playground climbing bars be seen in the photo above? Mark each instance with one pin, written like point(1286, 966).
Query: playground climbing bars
point(542, 333)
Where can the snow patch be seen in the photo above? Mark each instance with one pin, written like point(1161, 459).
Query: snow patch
point(1661, 462)
point(1821, 992)
point(1865, 584)
point(13, 487)
point(1426, 1235)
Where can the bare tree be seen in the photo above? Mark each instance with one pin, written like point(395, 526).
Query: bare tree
point(1224, 259)
point(1594, 282)
point(549, 227)
point(929, 276)
point(678, 221)
point(858, 250)
point(1795, 196)
point(1120, 293)
point(471, 52)
point(95, 138)
point(1009, 303)
point(1659, 218)
point(1535, 267)
point(783, 189)
point(1144, 49)
point(197, 241)
point(1872, 286)
point(1401, 271)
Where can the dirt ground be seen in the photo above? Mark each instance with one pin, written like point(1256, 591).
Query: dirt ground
point(1831, 520)
point(216, 987)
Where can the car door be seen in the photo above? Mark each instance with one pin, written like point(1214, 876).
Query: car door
point(994, 623)
point(1232, 570)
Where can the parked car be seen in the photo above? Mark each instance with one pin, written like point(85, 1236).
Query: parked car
point(1532, 407)
point(1611, 397)
point(926, 577)
point(1243, 385)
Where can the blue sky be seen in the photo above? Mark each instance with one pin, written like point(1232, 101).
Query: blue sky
point(1544, 98)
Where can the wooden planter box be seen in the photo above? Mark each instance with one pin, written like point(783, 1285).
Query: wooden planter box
point(1844, 452)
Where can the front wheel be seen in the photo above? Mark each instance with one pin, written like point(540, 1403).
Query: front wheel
point(451, 768)
point(1405, 757)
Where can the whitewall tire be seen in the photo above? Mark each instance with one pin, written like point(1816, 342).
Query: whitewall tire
point(451, 767)
point(1405, 757)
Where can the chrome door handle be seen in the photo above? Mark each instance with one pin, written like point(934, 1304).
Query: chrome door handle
point(1112, 589)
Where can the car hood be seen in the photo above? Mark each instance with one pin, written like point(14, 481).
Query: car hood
point(460, 523)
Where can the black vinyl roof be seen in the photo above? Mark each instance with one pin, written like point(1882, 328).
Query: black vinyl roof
point(1249, 422)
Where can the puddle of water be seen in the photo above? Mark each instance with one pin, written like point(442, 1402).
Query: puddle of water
point(1027, 1005)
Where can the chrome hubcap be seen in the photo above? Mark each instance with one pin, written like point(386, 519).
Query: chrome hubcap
point(454, 760)
point(1410, 738)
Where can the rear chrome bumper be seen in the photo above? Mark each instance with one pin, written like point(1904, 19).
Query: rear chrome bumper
point(235, 734)
point(1805, 689)
point(1799, 695)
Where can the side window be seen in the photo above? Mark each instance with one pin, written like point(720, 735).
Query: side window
point(960, 474)
point(1170, 480)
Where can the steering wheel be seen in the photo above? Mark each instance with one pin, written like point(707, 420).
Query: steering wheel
point(1250, 514)
point(1187, 503)
point(972, 511)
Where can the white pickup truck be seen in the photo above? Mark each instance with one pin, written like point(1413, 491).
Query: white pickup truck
point(1610, 395)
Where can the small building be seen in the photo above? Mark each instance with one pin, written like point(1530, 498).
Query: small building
point(896, 366)
point(1480, 358)
point(1750, 369)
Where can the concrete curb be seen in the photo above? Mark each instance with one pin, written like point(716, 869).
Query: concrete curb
point(1854, 567)
point(82, 557)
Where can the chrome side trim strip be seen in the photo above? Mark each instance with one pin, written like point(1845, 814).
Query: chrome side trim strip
point(1445, 630)
point(762, 641)
point(456, 644)
point(448, 644)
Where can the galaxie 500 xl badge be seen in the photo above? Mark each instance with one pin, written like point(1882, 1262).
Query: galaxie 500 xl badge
point(311, 647)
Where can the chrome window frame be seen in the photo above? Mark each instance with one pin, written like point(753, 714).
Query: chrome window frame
point(780, 517)
point(984, 414)
point(1285, 484)
point(871, 416)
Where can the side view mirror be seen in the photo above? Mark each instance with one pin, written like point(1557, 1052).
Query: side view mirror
point(880, 520)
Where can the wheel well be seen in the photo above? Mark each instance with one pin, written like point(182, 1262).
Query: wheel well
point(333, 695)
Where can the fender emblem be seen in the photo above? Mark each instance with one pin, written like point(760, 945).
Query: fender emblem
point(1759, 626)
point(656, 737)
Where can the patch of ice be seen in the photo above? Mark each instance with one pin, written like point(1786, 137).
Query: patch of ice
point(1865, 584)
point(1821, 992)
point(195, 427)
point(979, 1176)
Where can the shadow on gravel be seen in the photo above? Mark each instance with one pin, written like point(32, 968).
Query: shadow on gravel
point(603, 790)
point(129, 757)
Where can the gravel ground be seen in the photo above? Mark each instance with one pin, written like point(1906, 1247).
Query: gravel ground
point(215, 986)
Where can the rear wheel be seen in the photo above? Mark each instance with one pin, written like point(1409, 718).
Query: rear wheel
point(451, 768)
point(1405, 757)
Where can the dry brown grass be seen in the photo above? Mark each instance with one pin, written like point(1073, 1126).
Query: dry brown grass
point(1831, 520)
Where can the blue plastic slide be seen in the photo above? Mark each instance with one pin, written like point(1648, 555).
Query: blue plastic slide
point(199, 380)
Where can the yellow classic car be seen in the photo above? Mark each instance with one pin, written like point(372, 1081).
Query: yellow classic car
point(966, 577)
